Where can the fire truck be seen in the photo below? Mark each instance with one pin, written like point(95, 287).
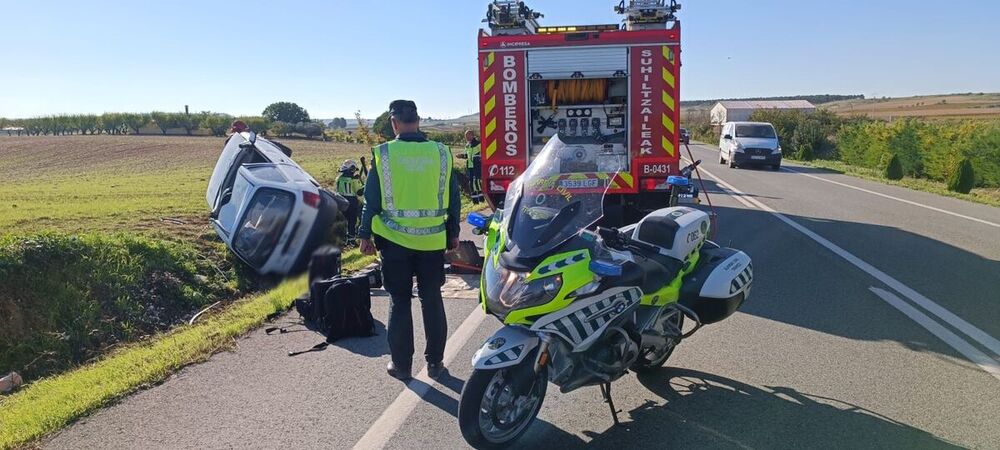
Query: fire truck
point(611, 91)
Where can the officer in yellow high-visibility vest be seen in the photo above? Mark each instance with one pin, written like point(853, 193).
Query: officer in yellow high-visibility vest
point(350, 187)
point(412, 207)
point(474, 167)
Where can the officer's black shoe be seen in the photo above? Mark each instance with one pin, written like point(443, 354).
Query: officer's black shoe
point(435, 370)
point(401, 374)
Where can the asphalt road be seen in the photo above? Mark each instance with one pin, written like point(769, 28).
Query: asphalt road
point(871, 324)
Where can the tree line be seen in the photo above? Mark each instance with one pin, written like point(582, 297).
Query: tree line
point(281, 119)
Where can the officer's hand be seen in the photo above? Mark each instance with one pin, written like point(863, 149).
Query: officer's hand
point(367, 248)
point(452, 243)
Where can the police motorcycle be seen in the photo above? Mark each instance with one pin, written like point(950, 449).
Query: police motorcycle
point(582, 305)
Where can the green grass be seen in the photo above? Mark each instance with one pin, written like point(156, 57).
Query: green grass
point(66, 298)
point(50, 404)
point(983, 196)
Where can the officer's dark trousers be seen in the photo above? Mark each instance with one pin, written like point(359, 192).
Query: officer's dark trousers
point(353, 210)
point(399, 266)
point(475, 182)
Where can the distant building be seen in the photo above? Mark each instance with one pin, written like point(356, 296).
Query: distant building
point(740, 111)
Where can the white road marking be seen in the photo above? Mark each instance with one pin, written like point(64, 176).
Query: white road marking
point(392, 418)
point(970, 330)
point(920, 205)
point(979, 358)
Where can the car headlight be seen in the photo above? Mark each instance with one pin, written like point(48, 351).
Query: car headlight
point(738, 147)
point(778, 150)
point(507, 290)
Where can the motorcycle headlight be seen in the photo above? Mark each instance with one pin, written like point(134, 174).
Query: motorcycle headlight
point(507, 290)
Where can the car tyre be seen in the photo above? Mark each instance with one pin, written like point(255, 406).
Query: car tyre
point(721, 159)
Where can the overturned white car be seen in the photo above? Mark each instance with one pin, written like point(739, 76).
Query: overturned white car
point(270, 212)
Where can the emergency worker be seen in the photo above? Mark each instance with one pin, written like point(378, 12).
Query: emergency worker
point(411, 215)
point(350, 187)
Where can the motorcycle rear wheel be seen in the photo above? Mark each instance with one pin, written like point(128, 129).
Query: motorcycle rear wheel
point(492, 413)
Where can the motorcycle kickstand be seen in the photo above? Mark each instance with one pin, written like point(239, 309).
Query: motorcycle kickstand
point(606, 393)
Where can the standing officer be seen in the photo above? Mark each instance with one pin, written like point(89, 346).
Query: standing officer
point(349, 186)
point(412, 206)
point(474, 167)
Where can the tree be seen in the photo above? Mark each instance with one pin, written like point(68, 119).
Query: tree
point(894, 171)
point(257, 124)
point(309, 129)
point(338, 123)
point(282, 129)
point(287, 112)
point(135, 121)
point(164, 120)
point(383, 127)
point(364, 133)
point(216, 123)
point(110, 123)
point(964, 178)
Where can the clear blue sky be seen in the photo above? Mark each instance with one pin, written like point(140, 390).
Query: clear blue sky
point(337, 56)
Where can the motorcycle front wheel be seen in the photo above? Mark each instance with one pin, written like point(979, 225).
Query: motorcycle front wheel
point(497, 406)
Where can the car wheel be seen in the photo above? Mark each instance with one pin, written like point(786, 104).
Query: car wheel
point(721, 159)
point(732, 164)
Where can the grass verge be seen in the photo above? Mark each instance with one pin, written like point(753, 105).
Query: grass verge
point(52, 403)
point(983, 196)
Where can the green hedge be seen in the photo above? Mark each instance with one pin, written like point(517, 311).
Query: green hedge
point(931, 150)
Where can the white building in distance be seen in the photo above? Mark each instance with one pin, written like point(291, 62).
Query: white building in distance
point(740, 110)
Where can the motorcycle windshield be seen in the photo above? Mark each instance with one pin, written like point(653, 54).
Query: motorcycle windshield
point(560, 194)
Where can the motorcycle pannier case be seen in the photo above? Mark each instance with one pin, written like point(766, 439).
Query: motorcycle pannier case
point(720, 284)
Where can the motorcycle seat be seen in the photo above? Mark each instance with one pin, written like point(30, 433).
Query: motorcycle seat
point(647, 273)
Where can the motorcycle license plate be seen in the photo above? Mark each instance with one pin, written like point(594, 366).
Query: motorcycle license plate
point(579, 184)
point(757, 157)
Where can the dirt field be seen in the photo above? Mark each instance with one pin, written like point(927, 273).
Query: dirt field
point(112, 182)
point(932, 107)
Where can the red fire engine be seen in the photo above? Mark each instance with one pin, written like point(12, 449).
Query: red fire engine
point(610, 90)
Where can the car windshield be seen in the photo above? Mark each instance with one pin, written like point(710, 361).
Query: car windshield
point(262, 225)
point(755, 131)
point(553, 200)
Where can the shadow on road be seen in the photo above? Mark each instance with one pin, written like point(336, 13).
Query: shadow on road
point(733, 414)
point(700, 410)
point(436, 397)
point(372, 347)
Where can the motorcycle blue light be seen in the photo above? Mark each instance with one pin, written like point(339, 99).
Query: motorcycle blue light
point(606, 269)
point(678, 181)
point(477, 220)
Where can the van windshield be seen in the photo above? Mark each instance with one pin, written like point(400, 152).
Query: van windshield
point(755, 131)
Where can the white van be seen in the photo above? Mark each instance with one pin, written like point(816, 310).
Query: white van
point(268, 211)
point(749, 143)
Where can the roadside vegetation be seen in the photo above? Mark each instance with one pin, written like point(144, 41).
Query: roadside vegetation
point(105, 241)
point(106, 254)
point(957, 156)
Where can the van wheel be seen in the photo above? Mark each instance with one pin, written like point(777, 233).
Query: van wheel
point(732, 164)
point(721, 159)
